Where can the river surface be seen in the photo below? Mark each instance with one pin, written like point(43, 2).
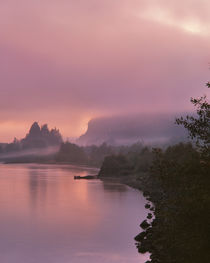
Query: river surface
point(48, 217)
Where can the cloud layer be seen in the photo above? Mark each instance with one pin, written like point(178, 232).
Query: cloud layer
point(65, 62)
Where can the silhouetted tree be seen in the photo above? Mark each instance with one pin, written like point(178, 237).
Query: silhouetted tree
point(199, 127)
point(178, 188)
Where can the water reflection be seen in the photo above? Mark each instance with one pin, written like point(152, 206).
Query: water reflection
point(37, 187)
point(47, 216)
point(114, 187)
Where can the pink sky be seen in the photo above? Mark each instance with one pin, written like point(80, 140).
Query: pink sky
point(65, 62)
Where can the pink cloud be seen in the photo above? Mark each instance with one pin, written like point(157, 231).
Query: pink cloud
point(64, 62)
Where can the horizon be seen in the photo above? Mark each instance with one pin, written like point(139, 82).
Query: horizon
point(119, 126)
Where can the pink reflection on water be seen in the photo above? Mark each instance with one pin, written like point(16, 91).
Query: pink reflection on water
point(47, 216)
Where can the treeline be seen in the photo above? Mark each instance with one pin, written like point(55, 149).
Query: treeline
point(130, 163)
point(92, 155)
point(180, 229)
point(65, 152)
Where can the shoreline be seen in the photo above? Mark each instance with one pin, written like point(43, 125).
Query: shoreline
point(55, 163)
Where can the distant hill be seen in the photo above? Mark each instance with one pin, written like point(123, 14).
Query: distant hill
point(148, 129)
point(37, 137)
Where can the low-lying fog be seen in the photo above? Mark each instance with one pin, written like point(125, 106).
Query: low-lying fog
point(146, 128)
point(32, 152)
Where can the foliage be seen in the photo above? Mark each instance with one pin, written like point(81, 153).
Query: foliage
point(71, 153)
point(178, 189)
point(115, 165)
point(132, 161)
point(96, 154)
point(199, 127)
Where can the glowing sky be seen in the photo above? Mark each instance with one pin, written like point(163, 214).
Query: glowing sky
point(66, 61)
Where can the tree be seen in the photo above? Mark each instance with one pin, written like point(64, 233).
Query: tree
point(199, 127)
point(178, 188)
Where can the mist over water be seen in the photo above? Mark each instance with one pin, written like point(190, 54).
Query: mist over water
point(47, 216)
point(32, 152)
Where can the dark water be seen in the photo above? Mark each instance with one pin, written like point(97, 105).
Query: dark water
point(47, 217)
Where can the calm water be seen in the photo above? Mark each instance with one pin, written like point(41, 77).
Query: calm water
point(48, 217)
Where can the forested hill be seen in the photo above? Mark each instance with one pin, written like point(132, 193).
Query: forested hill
point(37, 137)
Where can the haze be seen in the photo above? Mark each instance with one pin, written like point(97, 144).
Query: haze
point(66, 62)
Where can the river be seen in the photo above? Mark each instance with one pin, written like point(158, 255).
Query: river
point(48, 217)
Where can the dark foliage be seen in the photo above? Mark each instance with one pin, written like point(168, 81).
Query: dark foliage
point(71, 153)
point(199, 127)
point(127, 161)
point(178, 187)
point(115, 165)
point(95, 155)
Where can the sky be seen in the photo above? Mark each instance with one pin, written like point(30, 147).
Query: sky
point(64, 62)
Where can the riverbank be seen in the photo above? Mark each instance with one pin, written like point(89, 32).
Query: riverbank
point(130, 181)
point(176, 187)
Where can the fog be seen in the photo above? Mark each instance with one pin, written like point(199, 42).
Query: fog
point(127, 129)
point(30, 153)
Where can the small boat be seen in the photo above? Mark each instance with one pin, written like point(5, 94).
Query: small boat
point(88, 177)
